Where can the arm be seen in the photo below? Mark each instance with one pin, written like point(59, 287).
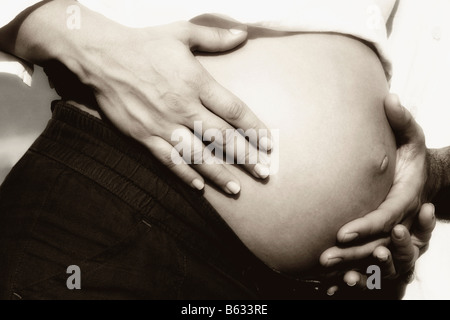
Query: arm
point(420, 174)
point(396, 262)
point(146, 81)
point(439, 181)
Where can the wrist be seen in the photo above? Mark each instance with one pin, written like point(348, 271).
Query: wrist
point(36, 34)
point(80, 48)
point(438, 170)
point(444, 160)
point(86, 51)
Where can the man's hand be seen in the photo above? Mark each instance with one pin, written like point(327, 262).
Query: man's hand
point(147, 82)
point(406, 247)
point(396, 262)
point(411, 188)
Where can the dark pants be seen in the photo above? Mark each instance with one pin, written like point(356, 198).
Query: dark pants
point(85, 195)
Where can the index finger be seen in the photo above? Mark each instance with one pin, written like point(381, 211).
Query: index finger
point(404, 253)
point(382, 220)
point(230, 108)
point(423, 227)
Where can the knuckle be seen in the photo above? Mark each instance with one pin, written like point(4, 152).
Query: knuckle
point(253, 124)
point(178, 106)
point(138, 133)
point(184, 30)
point(226, 135)
point(235, 111)
point(217, 35)
point(206, 86)
point(230, 137)
point(138, 130)
point(173, 101)
point(139, 124)
point(424, 249)
point(404, 257)
point(388, 224)
point(420, 135)
point(197, 155)
point(414, 206)
point(403, 267)
point(167, 160)
point(218, 174)
point(408, 121)
point(242, 155)
point(195, 80)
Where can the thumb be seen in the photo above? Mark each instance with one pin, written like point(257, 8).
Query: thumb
point(211, 39)
point(402, 121)
point(404, 252)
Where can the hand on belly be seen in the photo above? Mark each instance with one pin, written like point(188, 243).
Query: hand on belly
point(324, 94)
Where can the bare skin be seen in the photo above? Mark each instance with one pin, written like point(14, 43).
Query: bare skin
point(337, 151)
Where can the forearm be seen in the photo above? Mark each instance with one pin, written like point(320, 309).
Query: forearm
point(438, 182)
point(439, 170)
point(42, 34)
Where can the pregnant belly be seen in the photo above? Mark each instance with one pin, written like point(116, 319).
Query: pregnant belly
point(324, 94)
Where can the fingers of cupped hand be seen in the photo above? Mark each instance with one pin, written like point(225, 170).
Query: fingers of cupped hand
point(384, 260)
point(355, 279)
point(397, 206)
point(377, 222)
point(352, 279)
point(424, 226)
point(337, 255)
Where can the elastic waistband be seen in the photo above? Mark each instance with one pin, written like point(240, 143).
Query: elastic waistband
point(98, 151)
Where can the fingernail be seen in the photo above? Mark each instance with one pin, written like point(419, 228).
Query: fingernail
point(266, 143)
point(351, 284)
point(399, 233)
point(198, 184)
point(383, 258)
point(262, 171)
point(236, 31)
point(350, 237)
point(333, 261)
point(233, 187)
point(332, 291)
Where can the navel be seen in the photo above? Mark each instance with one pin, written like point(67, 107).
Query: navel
point(384, 164)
